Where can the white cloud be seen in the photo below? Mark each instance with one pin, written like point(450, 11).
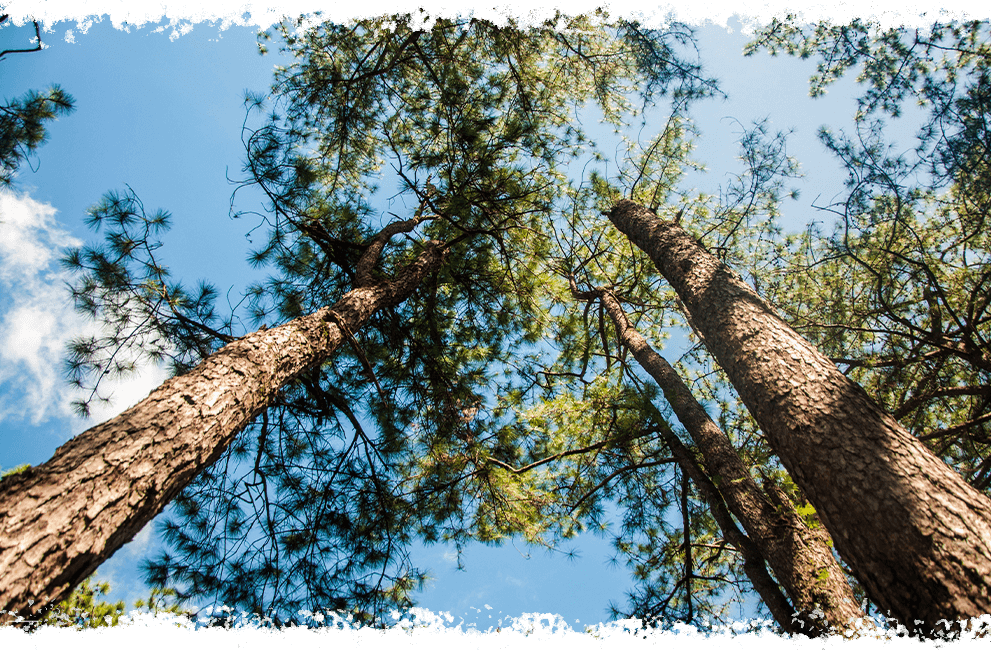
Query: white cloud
point(125, 394)
point(31, 236)
point(37, 319)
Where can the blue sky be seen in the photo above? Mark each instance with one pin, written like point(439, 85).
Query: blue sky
point(163, 115)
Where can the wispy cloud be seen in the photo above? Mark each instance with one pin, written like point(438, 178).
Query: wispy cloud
point(37, 319)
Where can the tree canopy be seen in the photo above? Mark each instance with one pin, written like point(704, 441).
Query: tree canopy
point(505, 392)
point(498, 104)
point(22, 120)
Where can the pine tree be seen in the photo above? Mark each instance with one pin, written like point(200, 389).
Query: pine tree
point(497, 104)
point(422, 371)
point(799, 554)
point(22, 121)
point(61, 519)
point(914, 533)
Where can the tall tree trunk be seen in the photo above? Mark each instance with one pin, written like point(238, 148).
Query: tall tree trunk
point(799, 556)
point(59, 521)
point(915, 534)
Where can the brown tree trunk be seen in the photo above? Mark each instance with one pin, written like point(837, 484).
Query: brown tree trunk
point(753, 561)
point(60, 520)
point(800, 557)
point(915, 534)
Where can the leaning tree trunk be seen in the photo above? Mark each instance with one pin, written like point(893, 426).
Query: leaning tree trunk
point(799, 556)
point(60, 520)
point(915, 534)
point(753, 561)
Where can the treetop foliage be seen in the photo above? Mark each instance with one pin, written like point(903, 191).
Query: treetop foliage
point(413, 428)
point(22, 120)
point(494, 403)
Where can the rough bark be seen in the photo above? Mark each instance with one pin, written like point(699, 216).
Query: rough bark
point(800, 557)
point(60, 520)
point(914, 533)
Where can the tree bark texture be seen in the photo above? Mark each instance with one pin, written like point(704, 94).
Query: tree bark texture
point(914, 533)
point(799, 556)
point(60, 520)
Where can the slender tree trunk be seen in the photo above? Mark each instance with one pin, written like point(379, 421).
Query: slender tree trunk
point(59, 521)
point(753, 560)
point(799, 556)
point(915, 534)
